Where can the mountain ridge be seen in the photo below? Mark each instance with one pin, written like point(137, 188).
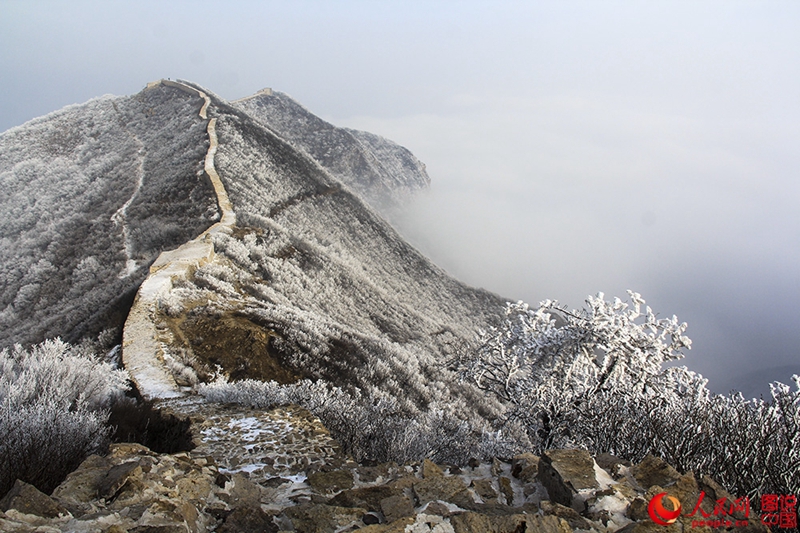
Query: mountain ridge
point(377, 162)
point(311, 279)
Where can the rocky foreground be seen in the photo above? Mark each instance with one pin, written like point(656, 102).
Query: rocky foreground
point(280, 470)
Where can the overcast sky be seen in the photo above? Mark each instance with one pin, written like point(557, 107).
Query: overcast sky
point(574, 147)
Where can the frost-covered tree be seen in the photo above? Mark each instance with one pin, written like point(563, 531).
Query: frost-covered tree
point(596, 378)
point(587, 350)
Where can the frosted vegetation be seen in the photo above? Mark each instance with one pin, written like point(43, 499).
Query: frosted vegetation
point(398, 359)
point(347, 298)
point(593, 378)
point(91, 195)
point(54, 401)
point(600, 378)
point(378, 170)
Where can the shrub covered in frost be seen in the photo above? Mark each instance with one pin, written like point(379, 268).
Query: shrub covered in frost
point(595, 378)
point(53, 408)
point(369, 426)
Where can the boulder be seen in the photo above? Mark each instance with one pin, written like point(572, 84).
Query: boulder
point(397, 507)
point(366, 497)
point(431, 469)
point(565, 472)
point(480, 523)
point(449, 489)
point(525, 467)
point(28, 499)
point(329, 482)
point(654, 471)
point(248, 519)
point(319, 518)
point(116, 477)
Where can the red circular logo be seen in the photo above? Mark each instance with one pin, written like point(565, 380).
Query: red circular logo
point(660, 514)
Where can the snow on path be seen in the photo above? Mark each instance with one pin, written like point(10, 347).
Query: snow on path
point(142, 349)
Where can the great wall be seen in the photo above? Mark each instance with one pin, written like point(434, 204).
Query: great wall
point(279, 469)
point(142, 345)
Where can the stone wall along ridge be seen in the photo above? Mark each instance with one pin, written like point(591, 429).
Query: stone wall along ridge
point(143, 345)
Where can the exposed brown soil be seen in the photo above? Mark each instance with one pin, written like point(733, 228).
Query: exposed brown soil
point(243, 349)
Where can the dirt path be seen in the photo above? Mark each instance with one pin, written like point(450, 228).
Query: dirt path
point(142, 347)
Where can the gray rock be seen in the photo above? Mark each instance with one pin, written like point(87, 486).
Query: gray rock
point(480, 523)
point(653, 471)
point(397, 507)
point(329, 482)
point(248, 519)
point(525, 467)
point(448, 489)
point(565, 472)
point(116, 477)
point(317, 518)
point(28, 499)
point(366, 497)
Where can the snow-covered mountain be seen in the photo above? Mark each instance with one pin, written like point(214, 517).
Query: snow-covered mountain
point(378, 170)
point(91, 195)
point(311, 281)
